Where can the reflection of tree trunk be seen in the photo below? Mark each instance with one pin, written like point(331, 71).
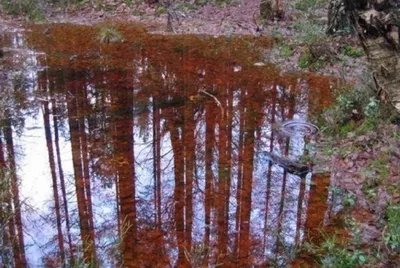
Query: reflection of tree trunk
point(122, 102)
point(189, 148)
point(20, 258)
point(300, 211)
point(178, 192)
point(269, 171)
point(247, 184)
point(62, 180)
point(239, 175)
point(267, 199)
point(222, 224)
point(317, 207)
point(228, 154)
point(49, 142)
point(85, 161)
point(157, 177)
point(281, 215)
point(83, 211)
point(5, 210)
point(208, 195)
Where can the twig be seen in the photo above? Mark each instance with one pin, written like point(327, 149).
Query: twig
point(215, 99)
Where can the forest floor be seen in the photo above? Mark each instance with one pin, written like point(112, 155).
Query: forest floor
point(364, 161)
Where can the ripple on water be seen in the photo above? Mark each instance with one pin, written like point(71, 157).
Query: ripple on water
point(296, 127)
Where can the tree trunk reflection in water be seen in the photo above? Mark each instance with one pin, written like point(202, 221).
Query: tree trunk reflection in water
point(62, 179)
point(269, 170)
point(122, 124)
point(175, 128)
point(81, 108)
point(50, 150)
point(17, 235)
point(239, 186)
point(5, 210)
point(157, 179)
point(250, 124)
point(85, 223)
point(189, 154)
point(223, 178)
point(209, 159)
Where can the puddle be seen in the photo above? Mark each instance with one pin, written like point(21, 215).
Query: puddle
point(151, 152)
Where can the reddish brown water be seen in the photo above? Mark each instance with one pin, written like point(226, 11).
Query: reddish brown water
point(150, 152)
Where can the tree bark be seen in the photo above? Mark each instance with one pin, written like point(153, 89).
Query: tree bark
point(377, 25)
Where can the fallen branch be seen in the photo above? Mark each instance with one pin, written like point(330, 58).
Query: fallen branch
point(215, 99)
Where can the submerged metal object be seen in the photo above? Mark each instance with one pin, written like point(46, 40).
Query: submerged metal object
point(297, 127)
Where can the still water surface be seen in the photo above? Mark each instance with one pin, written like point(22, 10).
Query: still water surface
point(153, 152)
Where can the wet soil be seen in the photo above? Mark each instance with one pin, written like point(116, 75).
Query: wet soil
point(237, 18)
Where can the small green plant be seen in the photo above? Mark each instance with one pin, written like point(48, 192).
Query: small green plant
point(328, 151)
point(186, 7)
point(355, 230)
point(370, 193)
point(305, 60)
point(26, 8)
point(309, 31)
point(223, 3)
point(286, 50)
point(352, 52)
point(371, 110)
point(306, 5)
point(380, 166)
point(334, 255)
point(392, 231)
point(160, 10)
point(346, 129)
point(343, 258)
point(349, 200)
point(109, 34)
point(356, 109)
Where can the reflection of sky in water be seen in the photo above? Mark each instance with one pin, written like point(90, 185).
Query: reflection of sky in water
point(37, 195)
point(36, 187)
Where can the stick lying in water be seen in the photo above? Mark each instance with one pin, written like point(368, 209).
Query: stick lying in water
point(215, 98)
point(291, 166)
